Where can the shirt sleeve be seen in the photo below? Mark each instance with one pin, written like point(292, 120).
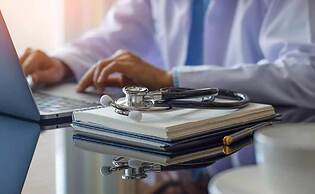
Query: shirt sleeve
point(128, 25)
point(287, 74)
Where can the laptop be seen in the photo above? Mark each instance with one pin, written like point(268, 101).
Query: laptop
point(16, 97)
point(18, 141)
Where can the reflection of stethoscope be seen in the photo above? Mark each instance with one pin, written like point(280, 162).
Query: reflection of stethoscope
point(138, 99)
point(136, 169)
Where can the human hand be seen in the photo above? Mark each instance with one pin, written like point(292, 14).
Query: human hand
point(42, 68)
point(131, 70)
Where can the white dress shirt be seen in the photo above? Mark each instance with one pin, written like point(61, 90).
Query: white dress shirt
point(264, 48)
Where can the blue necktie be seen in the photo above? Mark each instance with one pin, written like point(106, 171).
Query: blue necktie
point(195, 45)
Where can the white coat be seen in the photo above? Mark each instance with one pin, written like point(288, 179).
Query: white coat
point(264, 48)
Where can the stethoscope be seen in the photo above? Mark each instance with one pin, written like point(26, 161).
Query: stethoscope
point(140, 99)
point(136, 169)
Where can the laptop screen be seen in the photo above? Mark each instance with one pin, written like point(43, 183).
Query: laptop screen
point(15, 95)
point(18, 141)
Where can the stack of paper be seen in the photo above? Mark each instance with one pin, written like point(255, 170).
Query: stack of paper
point(173, 133)
point(209, 154)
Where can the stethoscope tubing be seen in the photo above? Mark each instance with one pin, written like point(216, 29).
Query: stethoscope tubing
point(175, 99)
point(184, 93)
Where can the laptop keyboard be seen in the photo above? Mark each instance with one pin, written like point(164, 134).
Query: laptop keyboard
point(49, 103)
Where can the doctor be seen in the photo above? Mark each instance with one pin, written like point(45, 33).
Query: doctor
point(264, 48)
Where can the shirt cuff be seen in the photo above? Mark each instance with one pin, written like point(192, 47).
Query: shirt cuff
point(175, 75)
point(193, 76)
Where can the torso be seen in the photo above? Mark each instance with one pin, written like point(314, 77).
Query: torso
point(231, 31)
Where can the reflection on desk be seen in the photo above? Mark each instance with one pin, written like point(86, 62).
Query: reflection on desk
point(18, 140)
point(247, 156)
point(136, 164)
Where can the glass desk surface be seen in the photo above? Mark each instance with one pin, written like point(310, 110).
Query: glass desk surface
point(58, 166)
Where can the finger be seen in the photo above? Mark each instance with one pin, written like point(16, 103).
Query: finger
point(106, 72)
point(118, 53)
point(26, 54)
point(86, 81)
point(113, 67)
point(110, 82)
point(127, 56)
point(99, 66)
point(31, 63)
point(123, 54)
point(45, 77)
point(118, 81)
point(126, 81)
point(98, 85)
point(129, 60)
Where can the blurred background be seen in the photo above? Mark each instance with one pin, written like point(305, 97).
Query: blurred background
point(48, 24)
point(57, 167)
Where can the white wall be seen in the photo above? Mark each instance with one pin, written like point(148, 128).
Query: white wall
point(47, 24)
point(34, 23)
point(82, 15)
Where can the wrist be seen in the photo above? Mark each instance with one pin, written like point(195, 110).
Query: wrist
point(168, 80)
point(66, 71)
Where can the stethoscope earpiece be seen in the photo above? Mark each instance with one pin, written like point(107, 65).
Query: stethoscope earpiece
point(106, 170)
point(106, 100)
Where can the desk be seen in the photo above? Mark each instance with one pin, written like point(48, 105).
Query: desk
point(60, 167)
point(239, 181)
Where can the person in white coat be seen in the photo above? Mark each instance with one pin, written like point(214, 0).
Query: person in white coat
point(264, 48)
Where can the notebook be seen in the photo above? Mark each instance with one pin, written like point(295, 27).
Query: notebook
point(207, 154)
point(209, 139)
point(174, 124)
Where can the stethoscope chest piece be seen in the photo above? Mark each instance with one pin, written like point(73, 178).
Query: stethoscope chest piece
point(139, 99)
point(135, 97)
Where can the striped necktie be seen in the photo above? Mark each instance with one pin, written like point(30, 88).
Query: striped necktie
point(195, 45)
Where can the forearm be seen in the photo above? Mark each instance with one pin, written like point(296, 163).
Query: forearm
point(279, 84)
point(81, 54)
point(128, 25)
